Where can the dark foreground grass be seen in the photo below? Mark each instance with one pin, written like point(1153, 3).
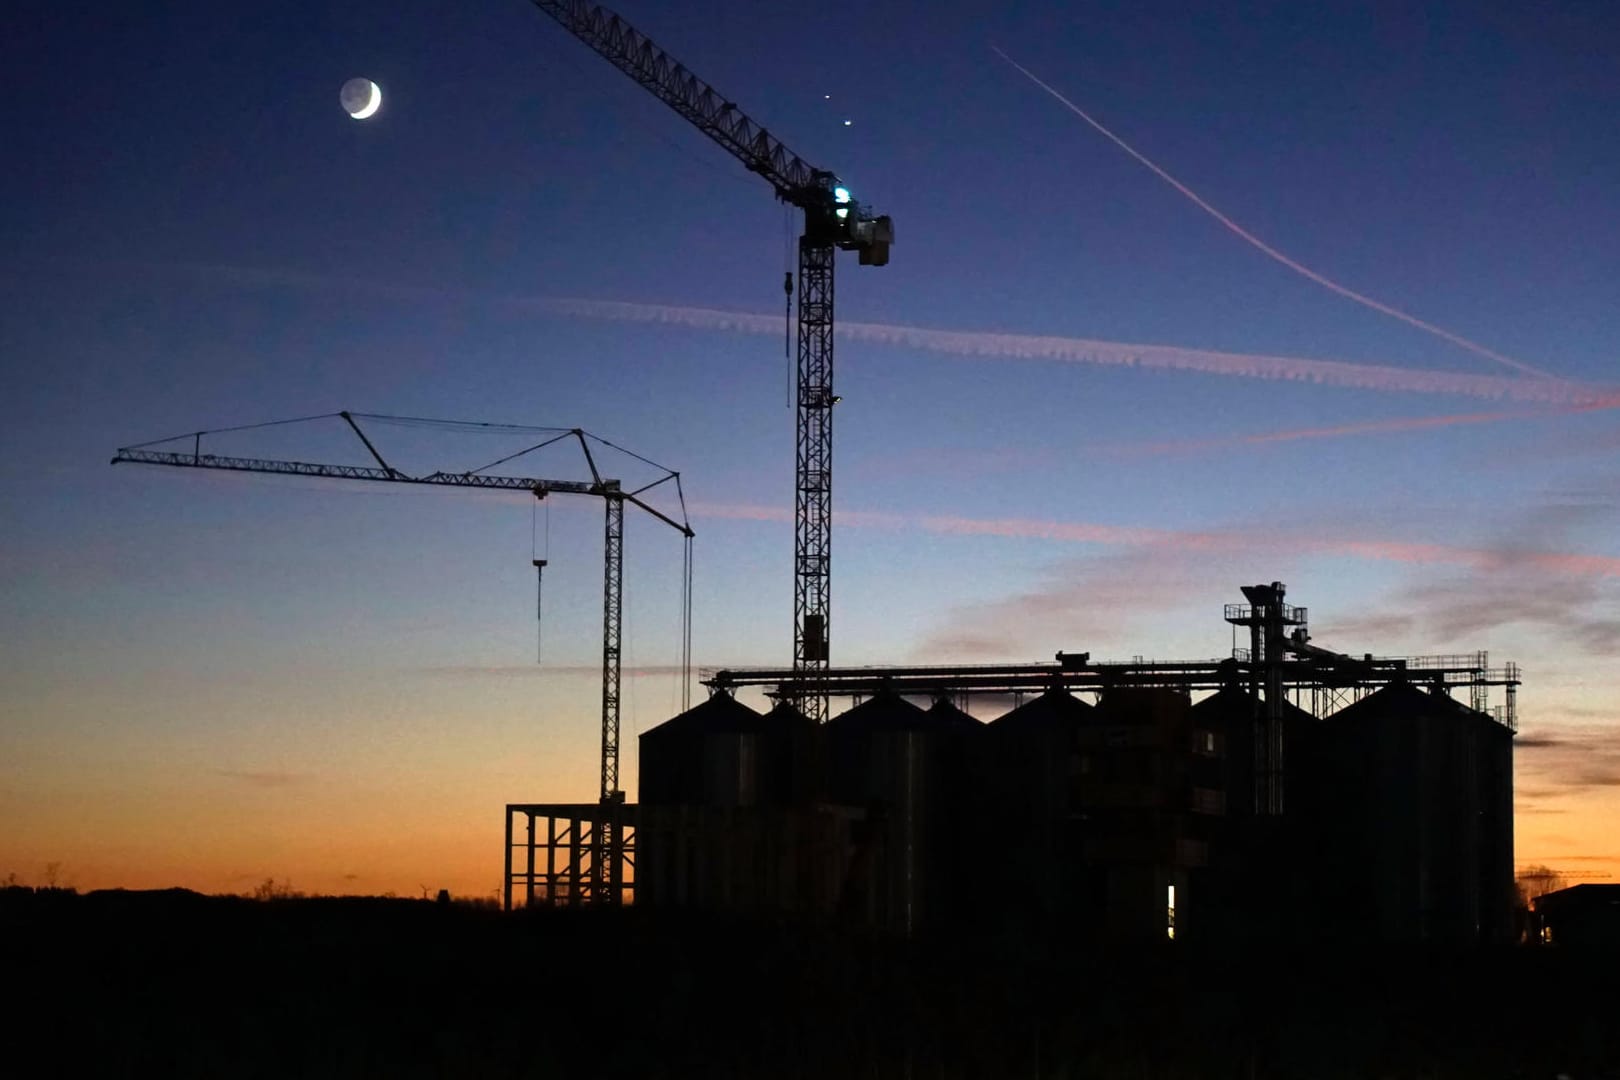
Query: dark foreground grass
point(177, 984)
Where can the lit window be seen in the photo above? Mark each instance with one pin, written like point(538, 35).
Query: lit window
point(1170, 912)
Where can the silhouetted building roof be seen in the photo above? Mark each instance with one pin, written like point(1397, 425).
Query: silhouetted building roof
point(1582, 916)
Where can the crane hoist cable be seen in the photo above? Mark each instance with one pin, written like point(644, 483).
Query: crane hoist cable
point(540, 561)
point(787, 303)
point(787, 338)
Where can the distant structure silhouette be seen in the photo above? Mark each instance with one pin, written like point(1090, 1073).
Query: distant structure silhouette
point(1286, 792)
point(1579, 917)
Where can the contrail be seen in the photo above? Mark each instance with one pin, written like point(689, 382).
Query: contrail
point(1270, 252)
point(1106, 353)
point(978, 344)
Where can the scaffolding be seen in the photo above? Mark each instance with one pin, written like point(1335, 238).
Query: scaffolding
point(569, 854)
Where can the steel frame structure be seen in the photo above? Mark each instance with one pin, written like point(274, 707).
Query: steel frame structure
point(1269, 620)
point(812, 518)
point(1299, 678)
point(1280, 663)
point(587, 848)
point(832, 220)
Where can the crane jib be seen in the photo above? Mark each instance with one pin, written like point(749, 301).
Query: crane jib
point(361, 472)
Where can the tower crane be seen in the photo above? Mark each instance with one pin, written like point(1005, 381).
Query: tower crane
point(606, 865)
point(833, 219)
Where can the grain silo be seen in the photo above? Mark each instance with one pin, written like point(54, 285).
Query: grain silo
point(722, 753)
point(1258, 862)
point(1031, 827)
point(726, 820)
point(906, 767)
point(1414, 803)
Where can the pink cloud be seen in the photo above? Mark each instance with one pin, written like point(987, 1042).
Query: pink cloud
point(1378, 550)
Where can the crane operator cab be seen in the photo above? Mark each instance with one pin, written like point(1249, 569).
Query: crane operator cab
point(868, 235)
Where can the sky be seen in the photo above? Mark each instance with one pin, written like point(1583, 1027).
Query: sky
point(1081, 406)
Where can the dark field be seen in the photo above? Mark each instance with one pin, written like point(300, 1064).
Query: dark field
point(176, 984)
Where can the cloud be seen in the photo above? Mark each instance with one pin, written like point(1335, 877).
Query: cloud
point(1251, 540)
point(264, 779)
point(1589, 858)
point(532, 671)
point(1578, 712)
point(1077, 603)
point(1564, 759)
point(1576, 608)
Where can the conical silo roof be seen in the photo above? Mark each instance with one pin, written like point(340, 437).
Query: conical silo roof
point(882, 712)
point(1234, 704)
point(1401, 699)
point(785, 714)
point(722, 712)
point(1056, 708)
point(949, 717)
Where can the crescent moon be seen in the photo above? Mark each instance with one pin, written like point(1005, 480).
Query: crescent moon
point(371, 106)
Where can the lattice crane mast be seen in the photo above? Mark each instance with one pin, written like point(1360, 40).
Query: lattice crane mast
point(611, 492)
point(832, 220)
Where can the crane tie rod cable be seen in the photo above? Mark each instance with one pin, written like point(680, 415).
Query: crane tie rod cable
point(239, 427)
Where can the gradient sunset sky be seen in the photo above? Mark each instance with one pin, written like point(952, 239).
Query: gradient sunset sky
point(1079, 411)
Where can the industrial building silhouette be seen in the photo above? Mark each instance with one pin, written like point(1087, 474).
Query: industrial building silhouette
point(1286, 792)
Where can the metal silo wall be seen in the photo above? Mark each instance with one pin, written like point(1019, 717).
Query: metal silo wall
point(908, 772)
point(1421, 803)
point(1028, 837)
point(727, 821)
